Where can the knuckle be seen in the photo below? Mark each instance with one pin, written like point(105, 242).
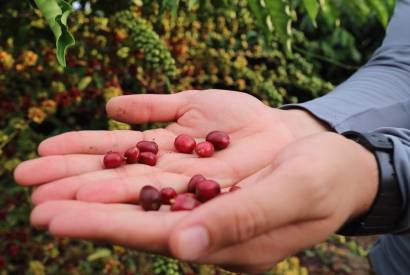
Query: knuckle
point(247, 221)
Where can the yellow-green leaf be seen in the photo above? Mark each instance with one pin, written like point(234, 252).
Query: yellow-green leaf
point(312, 8)
point(56, 13)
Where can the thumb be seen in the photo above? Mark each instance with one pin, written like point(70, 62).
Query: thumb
point(274, 201)
point(148, 107)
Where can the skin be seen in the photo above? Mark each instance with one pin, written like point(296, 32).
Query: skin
point(297, 178)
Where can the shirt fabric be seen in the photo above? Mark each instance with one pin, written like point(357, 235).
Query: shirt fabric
point(377, 98)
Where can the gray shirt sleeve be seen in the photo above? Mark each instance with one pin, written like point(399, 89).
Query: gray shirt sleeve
point(401, 158)
point(377, 95)
point(390, 254)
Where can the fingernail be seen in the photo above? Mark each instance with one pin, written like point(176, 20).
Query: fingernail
point(193, 242)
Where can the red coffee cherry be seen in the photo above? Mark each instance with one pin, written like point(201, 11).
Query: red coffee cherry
point(167, 194)
point(131, 155)
point(204, 149)
point(113, 160)
point(185, 201)
point(193, 182)
point(206, 190)
point(220, 140)
point(185, 144)
point(150, 198)
point(148, 158)
point(147, 146)
point(234, 188)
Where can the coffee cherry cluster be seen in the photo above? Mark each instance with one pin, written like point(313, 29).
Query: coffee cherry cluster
point(145, 152)
point(216, 140)
point(199, 190)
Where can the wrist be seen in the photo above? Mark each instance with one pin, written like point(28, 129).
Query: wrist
point(302, 123)
point(368, 181)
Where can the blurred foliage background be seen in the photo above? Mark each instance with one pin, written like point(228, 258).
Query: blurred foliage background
point(294, 51)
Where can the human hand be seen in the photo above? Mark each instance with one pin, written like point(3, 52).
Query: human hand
point(312, 187)
point(71, 163)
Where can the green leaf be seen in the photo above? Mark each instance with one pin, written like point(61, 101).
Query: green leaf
point(312, 8)
point(99, 254)
point(56, 13)
point(170, 5)
point(84, 82)
point(273, 17)
point(382, 10)
point(192, 4)
point(279, 17)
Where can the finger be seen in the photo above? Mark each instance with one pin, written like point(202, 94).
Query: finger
point(134, 228)
point(123, 183)
point(67, 188)
point(54, 167)
point(127, 189)
point(100, 142)
point(148, 107)
point(261, 252)
point(41, 215)
point(51, 168)
point(273, 202)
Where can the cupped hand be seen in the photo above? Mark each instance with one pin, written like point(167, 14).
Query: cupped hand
point(70, 166)
point(310, 189)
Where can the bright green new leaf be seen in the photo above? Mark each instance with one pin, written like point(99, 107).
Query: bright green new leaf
point(312, 8)
point(56, 13)
point(99, 254)
point(280, 19)
point(170, 5)
point(382, 10)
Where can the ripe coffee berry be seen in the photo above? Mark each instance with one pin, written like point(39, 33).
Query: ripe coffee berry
point(234, 188)
point(193, 182)
point(147, 146)
point(206, 190)
point(167, 194)
point(150, 198)
point(131, 155)
point(147, 158)
point(220, 140)
point(113, 160)
point(185, 201)
point(185, 144)
point(204, 149)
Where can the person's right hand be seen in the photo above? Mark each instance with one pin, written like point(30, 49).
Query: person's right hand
point(70, 166)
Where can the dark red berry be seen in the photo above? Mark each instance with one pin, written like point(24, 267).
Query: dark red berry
point(234, 188)
point(185, 144)
point(204, 149)
point(150, 198)
point(220, 140)
point(13, 249)
point(193, 182)
point(113, 160)
point(206, 190)
point(2, 262)
point(185, 201)
point(147, 146)
point(167, 194)
point(148, 158)
point(131, 155)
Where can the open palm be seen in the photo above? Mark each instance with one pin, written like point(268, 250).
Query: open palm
point(70, 166)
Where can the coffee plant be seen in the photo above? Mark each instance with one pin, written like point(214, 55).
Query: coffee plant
point(279, 51)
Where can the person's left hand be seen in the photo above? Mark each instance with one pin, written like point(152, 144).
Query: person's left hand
point(314, 185)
